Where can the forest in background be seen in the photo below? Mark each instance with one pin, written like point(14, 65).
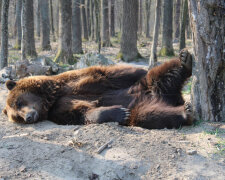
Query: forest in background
point(134, 29)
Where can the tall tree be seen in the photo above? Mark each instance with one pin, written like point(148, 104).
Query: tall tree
point(88, 17)
point(18, 24)
point(128, 48)
point(184, 25)
point(65, 54)
point(76, 28)
point(29, 33)
point(153, 55)
point(105, 24)
point(52, 20)
point(84, 20)
point(167, 42)
point(140, 17)
point(4, 35)
point(147, 18)
point(97, 24)
point(177, 19)
point(23, 25)
point(38, 18)
point(92, 20)
point(207, 24)
point(112, 18)
point(45, 25)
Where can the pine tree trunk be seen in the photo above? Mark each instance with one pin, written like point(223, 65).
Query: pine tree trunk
point(129, 49)
point(112, 18)
point(92, 20)
point(30, 42)
point(45, 24)
point(18, 24)
point(140, 17)
point(208, 85)
point(52, 21)
point(76, 28)
point(23, 27)
point(167, 42)
point(65, 54)
point(153, 55)
point(38, 19)
point(105, 24)
point(97, 26)
point(147, 18)
point(88, 17)
point(183, 25)
point(57, 18)
point(4, 35)
point(177, 20)
point(84, 20)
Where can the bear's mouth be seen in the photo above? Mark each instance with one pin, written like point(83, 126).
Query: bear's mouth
point(31, 117)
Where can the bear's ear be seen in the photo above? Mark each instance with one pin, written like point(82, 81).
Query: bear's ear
point(4, 111)
point(10, 84)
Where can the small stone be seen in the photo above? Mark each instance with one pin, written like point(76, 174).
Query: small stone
point(191, 152)
point(46, 138)
point(22, 169)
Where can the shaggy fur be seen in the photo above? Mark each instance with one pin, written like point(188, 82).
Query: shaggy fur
point(125, 94)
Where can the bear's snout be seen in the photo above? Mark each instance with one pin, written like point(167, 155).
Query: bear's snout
point(31, 117)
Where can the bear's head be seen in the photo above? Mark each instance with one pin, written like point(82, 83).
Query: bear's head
point(26, 102)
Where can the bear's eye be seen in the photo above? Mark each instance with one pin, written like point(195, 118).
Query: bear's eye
point(19, 104)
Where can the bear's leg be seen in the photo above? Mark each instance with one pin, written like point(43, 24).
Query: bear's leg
point(107, 114)
point(159, 116)
point(167, 80)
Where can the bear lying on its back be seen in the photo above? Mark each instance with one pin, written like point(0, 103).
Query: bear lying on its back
point(124, 94)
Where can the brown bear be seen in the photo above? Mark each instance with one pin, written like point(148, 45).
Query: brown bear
point(125, 94)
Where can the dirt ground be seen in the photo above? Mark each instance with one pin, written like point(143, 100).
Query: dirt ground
point(49, 151)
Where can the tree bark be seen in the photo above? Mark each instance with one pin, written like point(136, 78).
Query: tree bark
point(23, 25)
point(38, 19)
point(208, 85)
point(84, 20)
point(76, 28)
point(92, 20)
point(105, 24)
point(97, 24)
point(18, 24)
point(177, 20)
point(65, 54)
point(153, 55)
point(147, 18)
point(45, 24)
point(4, 35)
point(167, 42)
point(30, 42)
point(129, 49)
point(88, 17)
point(183, 25)
point(112, 18)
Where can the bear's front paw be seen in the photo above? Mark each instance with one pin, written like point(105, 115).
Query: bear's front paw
point(186, 59)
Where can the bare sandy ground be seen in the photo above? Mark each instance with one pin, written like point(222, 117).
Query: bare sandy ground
point(49, 151)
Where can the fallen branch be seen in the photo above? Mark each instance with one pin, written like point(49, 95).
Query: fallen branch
point(104, 146)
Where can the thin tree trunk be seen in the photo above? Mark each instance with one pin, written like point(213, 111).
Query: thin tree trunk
point(167, 42)
point(97, 26)
point(105, 24)
point(4, 38)
point(183, 25)
point(129, 49)
point(153, 55)
point(92, 21)
point(23, 25)
point(177, 20)
point(52, 21)
point(65, 54)
point(57, 18)
point(88, 17)
point(207, 24)
point(45, 24)
point(38, 19)
point(140, 18)
point(30, 48)
point(112, 18)
point(18, 24)
point(147, 19)
point(76, 28)
point(84, 20)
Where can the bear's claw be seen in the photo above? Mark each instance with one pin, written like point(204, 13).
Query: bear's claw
point(126, 113)
point(186, 59)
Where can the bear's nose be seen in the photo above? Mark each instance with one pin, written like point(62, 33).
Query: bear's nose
point(31, 117)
